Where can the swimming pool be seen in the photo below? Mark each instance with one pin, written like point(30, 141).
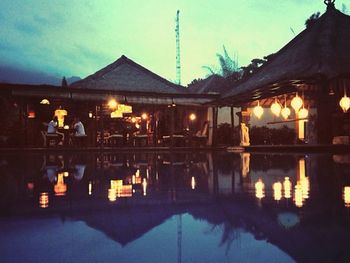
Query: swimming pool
point(179, 207)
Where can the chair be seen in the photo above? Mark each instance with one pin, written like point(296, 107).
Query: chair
point(140, 139)
point(50, 139)
point(201, 136)
point(115, 139)
point(79, 140)
point(179, 139)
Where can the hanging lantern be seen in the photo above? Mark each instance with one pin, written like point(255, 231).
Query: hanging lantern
point(258, 111)
point(303, 113)
point(285, 112)
point(45, 102)
point(345, 102)
point(276, 108)
point(296, 103)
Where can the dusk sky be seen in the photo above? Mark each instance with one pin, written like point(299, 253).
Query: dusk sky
point(76, 37)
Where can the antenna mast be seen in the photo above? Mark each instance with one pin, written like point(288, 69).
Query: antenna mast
point(177, 32)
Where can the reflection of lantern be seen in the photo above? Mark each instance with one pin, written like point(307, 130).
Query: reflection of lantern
point(296, 103)
point(346, 196)
point(259, 189)
point(287, 186)
point(258, 111)
point(277, 191)
point(303, 113)
point(193, 183)
point(345, 103)
point(144, 186)
point(276, 108)
point(44, 200)
point(90, 188)
point(298, 196)
point(60, 187)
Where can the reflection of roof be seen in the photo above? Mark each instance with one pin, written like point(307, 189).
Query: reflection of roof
point(126, 75)
point(320, 50)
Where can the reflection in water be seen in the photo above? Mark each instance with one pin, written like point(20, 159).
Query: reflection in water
point(302, 188)
point(156, 187)
point(245, 163)
point(44, 200)
point(193, 183)
point(60, 187)
point(346, 196)
point(260, 189)
point(144, 186)
point(287, 186)
point(277, 191)
point(90, 188)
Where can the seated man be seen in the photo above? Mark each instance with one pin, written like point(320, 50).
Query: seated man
point(78, 127)
point(52, 129)
point(79, 134)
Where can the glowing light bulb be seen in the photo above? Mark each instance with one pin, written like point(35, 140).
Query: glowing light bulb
point(112, 104)
point(192, 116)
point(287, 185)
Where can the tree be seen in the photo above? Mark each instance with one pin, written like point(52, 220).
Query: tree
point(228, 66)
point(64, 82)
point(312, 19)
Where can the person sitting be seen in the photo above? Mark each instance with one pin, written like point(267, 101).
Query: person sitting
point(79, 135)
point(52, 130)
point(78, 127)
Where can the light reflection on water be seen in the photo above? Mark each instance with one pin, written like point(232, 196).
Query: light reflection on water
point(134, 199)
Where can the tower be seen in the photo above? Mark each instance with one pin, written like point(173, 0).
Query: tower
point(177, 32)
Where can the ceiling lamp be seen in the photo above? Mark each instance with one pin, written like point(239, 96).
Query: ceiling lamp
point(45, 102)
point(285, 112)
point(112, 104)
point(303, 113)
point(345, 102)
point(276, 108)
point(258, 111)
point(296, 102)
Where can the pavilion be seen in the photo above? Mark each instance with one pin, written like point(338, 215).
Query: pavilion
point(314, 66)
point(123, 90)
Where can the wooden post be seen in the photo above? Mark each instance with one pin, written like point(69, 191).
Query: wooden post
point(324, 104)
point(215, 126)
point(232, 125)
point(172, 126)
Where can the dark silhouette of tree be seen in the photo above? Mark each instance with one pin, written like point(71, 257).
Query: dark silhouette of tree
point(228, 66)
point(64, 82)
point(312, 19)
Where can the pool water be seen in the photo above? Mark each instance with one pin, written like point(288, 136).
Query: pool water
point(181, 207)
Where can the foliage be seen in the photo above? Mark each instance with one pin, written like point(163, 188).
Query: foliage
point(9, 116)
point(228, 66)
point(264, 135)
point(312, 19)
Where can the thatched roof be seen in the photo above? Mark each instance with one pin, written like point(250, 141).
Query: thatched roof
point(126, 75)
point(212, 84)
point(321, 51)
